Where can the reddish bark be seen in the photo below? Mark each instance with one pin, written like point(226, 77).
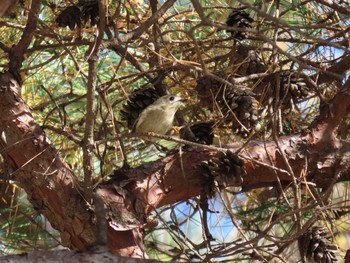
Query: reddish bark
point(179, 177)
point(33, 162)
point(134, 193)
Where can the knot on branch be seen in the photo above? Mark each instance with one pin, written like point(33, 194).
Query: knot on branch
point(226, 169)
point(125, 209)
point(316, 244)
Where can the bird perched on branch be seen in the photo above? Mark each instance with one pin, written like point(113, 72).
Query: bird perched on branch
point(159, 116)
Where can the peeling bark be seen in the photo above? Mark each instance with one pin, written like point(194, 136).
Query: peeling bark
point(34, 163)
point(164, 182)
point(133, 193)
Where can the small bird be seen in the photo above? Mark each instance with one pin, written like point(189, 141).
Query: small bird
point(159, 116)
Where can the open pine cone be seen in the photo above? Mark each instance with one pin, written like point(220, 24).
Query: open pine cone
point(316, 244)
point(241, 20)
point(247, 60)
point(201, 132)
point(292, 86)
point(90, 10)
point(137, 102)
point(240, 108)
point(224, 170)
point(208, 87)
point(236, 103)
point(287, 85)
point(72, 15)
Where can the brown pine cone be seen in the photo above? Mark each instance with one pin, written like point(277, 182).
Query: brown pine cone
point(247, 60)
point(239, 19)
point(316, 244)
point(292, 86)
point(208, 87)
point(287, 85)
point(224, 170)
point(201, 132)
point(240, 108)
point(69, 17)
point(236, 103)
point(90, 10)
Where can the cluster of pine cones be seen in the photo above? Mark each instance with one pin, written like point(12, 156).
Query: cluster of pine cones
point(240, 107)
point(73, 16)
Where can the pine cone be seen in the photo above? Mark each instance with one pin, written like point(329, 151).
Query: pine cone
point(247, 60)
point(316, 244)
point(226, 169)
point(239, 19)
point(69, 17)
point(137, 102)
point(201, 132)
point(240, 107)
point(90, 10)
point(292, 87)
point(255, 63)
point(237, 104)
point(208, 87)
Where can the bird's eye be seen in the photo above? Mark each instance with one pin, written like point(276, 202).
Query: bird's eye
point(171, 98)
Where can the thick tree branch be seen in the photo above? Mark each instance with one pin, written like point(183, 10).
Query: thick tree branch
point(179, 177)
point(325, 126)
point(17, 52)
